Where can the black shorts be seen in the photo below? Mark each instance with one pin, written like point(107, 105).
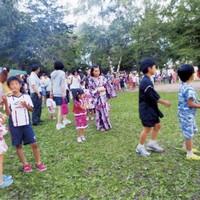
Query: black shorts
point(150, 123)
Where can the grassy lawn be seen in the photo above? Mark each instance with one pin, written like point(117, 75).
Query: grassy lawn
point(106, 166)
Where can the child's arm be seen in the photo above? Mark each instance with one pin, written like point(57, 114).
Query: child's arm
point(164, 102)
point(27, 106)
point(155, 97)
point(7, 109)
point(192, 104)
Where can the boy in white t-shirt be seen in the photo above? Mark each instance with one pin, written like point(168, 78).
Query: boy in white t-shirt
point(18, 106)
point(51, 105)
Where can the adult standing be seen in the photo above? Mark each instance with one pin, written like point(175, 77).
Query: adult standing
point(58, 91)
point(35, 93)
point(75, 83)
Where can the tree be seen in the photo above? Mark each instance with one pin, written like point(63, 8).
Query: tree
point(184, 28)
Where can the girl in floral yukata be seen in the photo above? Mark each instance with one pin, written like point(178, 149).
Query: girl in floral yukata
point(101, 90)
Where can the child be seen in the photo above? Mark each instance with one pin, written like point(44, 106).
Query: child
point(148, 109)
point(18, 106)
point(89, 105)
point(5, 180)
point(80, 114)
point(188, 103)
point(51, 105)
point(101, 90)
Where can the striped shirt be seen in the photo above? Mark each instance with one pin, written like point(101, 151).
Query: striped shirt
point(19, 114)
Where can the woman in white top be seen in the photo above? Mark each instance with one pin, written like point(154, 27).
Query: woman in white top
point(75, 83)
point(58, 91)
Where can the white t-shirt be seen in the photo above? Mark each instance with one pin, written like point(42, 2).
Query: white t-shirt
point(19, 114)
point(75, 82)
point(51, 105)
point(58, 83)
point(48, 84)
point(34, 80)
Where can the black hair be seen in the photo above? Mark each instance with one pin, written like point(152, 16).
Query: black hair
point(73, 72)
point(48, 95)
point(78, 92)
point(4, 74)
point(13, 78)
point(185, 71)
point(94, 67)
point(145, 64)
point(58, 65)
point(35, 67)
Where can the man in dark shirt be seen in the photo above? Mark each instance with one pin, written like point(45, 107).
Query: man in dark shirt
point(148, 109)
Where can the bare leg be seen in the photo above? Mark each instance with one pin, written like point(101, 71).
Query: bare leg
point(21, 155)
point(80, 132)
point(144, 134)
point(155, 131)
point(188, 144)
point(36, 153)
point(59, 115)
point(64, 117)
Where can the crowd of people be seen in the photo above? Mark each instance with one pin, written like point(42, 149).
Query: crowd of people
point(90, 94)
point(22, 94)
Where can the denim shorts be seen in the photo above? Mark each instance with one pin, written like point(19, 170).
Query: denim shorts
point(59, 100)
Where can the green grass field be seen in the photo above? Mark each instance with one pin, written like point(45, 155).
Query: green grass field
point(106, 166)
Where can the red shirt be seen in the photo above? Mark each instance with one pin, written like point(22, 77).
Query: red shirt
point(77, 108)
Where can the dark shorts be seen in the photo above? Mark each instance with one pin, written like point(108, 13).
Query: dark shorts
point(74, 92)
point(22, 135)
point(59, 100)
point(150, 123)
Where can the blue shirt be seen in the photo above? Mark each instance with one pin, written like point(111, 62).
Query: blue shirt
point(186, 92)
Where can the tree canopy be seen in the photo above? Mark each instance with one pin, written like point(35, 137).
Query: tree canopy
point(117, 34)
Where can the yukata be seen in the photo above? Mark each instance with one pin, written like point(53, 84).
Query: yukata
point(101, 101)
point(88, 100)
point(3, 131)
point(186, 114)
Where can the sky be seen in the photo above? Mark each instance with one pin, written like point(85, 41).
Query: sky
point(79, 19)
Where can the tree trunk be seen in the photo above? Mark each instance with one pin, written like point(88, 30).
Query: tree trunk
point(110, 64)
point(119, 64)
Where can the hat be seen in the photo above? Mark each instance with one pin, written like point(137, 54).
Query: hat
point(146, 63)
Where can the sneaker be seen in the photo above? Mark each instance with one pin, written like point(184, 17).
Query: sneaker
point(155, 147)
point(6, 183)
point(142, 151)
point(194, 150)
point(83, 138)
point(66, 122)
point(79, 140)
point(60, 126)
point(87, 118)
point(92, 118)
point(27, 168)
point(41, 167)
point(7, 177)
point(193, 157)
